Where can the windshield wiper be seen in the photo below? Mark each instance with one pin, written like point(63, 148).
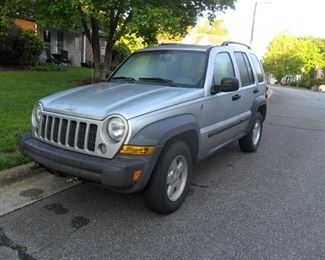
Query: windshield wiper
point(132, 80)
point(167, 81)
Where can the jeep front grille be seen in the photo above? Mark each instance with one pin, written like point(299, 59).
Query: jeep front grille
point(70, 133)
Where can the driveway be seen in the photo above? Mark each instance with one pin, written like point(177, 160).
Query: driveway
point(269, 204)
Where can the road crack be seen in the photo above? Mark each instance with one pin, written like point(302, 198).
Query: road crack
point(296, 127)
point(5, 241)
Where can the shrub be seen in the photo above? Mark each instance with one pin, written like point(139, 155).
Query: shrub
point(319, 82)
point(31, 49)
point(305, 83)
point(10, 44)
point(18, 47)
point(294, 84)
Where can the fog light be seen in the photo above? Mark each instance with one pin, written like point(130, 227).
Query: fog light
point(136, 175)
point(102, 148)
point(137, 150)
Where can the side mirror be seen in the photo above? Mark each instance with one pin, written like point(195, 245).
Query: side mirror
point(229, 85)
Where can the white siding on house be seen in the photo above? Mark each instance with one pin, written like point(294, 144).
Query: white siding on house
point(71, 42)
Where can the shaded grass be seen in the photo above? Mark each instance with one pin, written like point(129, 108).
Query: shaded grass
point(19, 90)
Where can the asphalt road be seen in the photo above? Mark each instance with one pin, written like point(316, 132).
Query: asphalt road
point(266, 205)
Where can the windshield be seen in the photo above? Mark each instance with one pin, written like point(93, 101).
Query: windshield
point(178, 68)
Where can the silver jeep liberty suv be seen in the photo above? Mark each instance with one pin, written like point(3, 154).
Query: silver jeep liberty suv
point(160, 111)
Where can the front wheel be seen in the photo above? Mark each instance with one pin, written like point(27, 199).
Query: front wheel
point(169, 183)
point(251, 141)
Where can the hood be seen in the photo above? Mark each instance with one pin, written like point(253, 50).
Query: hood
point(97, 101)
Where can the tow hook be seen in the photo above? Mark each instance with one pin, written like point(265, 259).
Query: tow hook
point(71, 180)
point(36, 166)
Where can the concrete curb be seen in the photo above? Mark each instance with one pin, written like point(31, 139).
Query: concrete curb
point(270, 93)
point(18, 173)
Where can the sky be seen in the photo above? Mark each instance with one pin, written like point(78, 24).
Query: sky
point(296, 17)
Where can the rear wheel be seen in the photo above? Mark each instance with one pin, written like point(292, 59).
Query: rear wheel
point(251, 141)
point(169, 183)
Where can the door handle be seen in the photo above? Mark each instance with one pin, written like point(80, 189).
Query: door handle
point(256, 90)
point(235, 97)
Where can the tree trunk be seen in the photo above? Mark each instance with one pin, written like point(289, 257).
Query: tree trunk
point(105, 70)
point(95, 46)
point(97, 67)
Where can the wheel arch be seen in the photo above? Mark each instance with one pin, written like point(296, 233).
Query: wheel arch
point(262, 109)
point(181, 127)
point(258, 106)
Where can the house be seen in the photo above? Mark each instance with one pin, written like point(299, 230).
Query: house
point(26, 24)
point(319, 73)
point(56, 41)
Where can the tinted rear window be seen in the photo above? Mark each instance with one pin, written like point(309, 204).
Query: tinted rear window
point(258, 68)
point(245, 69)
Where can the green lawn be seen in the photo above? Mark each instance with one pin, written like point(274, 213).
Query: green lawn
point(19, 90)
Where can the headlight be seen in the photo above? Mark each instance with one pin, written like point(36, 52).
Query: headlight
point(37, 114)
point(116, 128)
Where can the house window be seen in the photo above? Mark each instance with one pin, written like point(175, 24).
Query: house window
point(47, 36)
point(77, 42)
point(60, 42)
point(258, 68)
point(47, 42)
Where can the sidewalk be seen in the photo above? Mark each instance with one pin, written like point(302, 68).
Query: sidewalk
point(21, 186)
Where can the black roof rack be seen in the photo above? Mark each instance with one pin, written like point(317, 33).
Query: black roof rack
point(226, 43)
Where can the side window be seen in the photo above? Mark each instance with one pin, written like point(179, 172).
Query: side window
point(223, 68)
point(245, 69)
point(258, 68)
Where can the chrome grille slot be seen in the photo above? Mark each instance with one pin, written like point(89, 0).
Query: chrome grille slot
point(49, 128)
point(43, 126)
point(63, 131)
point(92, 137)
point(69, 133)
point(81, 135)
point(72, 133)
point(56, 129)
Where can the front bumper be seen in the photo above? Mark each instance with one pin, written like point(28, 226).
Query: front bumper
point(115, 173)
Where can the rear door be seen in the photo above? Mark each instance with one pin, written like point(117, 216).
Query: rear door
point(248, 85)
point(259, 75)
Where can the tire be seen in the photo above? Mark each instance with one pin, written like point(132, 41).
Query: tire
point(251, 141)
point(167, 189)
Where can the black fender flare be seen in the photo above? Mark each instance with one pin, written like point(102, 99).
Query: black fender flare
point(258, 102)
point(159, 132)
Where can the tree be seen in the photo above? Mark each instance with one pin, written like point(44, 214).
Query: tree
point(281, 57)
point(290, 55)
point(112, 19)
point(213, 27)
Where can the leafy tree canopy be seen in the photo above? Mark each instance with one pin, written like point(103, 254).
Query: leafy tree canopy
point(213, 27)
point(290, 55)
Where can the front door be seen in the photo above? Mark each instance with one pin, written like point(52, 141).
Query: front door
point(47, 42)
point(224, 115)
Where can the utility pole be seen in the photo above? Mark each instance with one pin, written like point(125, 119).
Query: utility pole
point(253, 24)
